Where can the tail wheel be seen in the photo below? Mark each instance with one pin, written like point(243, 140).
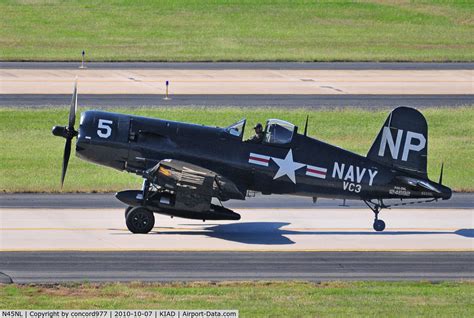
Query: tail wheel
point(379, 225)
point(140, 220)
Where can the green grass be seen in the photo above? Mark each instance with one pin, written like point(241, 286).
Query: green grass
point(240, 30)
point(30, 157)
point(257, 299)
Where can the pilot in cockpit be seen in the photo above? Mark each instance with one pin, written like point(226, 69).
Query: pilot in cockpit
point(259, 135)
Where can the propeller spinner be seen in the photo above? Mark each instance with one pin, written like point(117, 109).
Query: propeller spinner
point(68, 132)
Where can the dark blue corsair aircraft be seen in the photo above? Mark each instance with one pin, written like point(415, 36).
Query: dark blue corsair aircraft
point(185, 165)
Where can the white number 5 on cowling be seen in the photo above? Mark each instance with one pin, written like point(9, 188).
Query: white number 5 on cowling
point(104, 130)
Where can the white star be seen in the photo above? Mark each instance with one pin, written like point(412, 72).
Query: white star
point(287, 167)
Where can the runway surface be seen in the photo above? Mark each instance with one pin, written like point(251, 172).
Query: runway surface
point(242, 65)
point(47, 267)
point(242, 100)
point(266, 229)
point(313, 85)
point(58, 245)
point(51, 243)
point(108, 200)
point(238, 82)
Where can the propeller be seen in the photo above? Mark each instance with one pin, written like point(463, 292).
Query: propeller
point(68, 132)
point(441, 174)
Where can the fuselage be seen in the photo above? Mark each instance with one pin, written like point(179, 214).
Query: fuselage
point(305, 166)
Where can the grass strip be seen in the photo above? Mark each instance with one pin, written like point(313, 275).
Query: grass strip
point(256, 299)
point(237, 30)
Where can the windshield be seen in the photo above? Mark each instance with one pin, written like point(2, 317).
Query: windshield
point(237, 129)
point(279, 131)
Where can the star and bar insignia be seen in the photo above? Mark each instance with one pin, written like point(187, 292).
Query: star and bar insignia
point(287, 166)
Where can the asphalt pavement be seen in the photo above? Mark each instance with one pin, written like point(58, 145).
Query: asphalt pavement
point(54, 267)
point(242, 100)
point(242, 65)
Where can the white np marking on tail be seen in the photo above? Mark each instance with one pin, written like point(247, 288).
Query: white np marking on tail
point(394, 145)
point(409, 146)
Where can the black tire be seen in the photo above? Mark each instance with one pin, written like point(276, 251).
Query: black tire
point(379, 225)
point(127, 210)
point(140, 220)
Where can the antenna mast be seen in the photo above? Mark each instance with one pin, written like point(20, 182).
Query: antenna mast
point(306, 126)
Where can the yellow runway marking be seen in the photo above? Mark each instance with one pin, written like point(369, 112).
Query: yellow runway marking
point(54, 229)
point(207, 228)
point(369, 228)
point(231, 250)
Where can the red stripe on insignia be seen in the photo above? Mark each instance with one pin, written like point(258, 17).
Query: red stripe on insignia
point(259, 159)
point(316, 171)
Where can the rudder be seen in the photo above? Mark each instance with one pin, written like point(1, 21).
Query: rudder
point(402, 142)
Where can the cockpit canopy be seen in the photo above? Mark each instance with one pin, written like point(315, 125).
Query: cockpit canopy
point(278, 132)
point(237, 129)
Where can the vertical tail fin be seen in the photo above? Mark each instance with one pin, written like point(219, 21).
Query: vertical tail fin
point(402, 142)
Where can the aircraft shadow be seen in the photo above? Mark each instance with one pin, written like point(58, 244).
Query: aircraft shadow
point(265, 233)
point(270, 233)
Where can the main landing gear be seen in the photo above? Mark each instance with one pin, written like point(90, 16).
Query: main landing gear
point(139, 219)
point(379, 225)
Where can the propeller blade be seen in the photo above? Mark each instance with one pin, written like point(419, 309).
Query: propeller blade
point(67, 154)
point(441, 174)
point(73, 108)
point(68, 132)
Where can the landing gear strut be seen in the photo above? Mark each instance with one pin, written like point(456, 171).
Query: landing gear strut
point(379, 225)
